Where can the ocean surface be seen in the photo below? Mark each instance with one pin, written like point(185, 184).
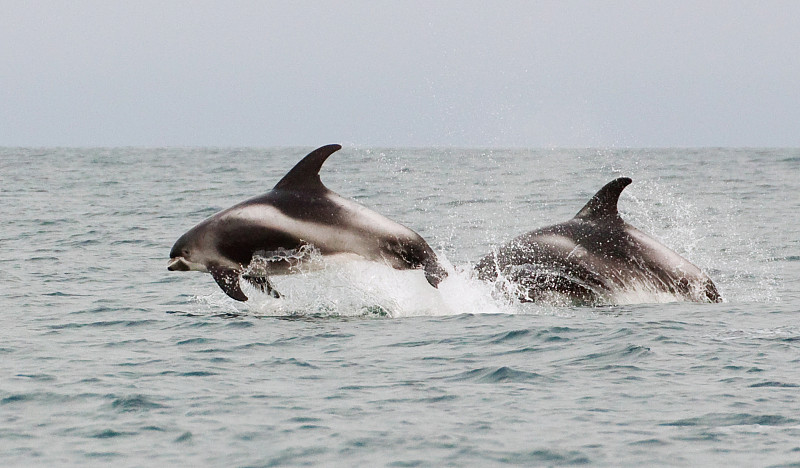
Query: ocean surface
point(108, 359)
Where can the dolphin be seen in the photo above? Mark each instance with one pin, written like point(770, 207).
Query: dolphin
point(592, 258)
point(286, 225)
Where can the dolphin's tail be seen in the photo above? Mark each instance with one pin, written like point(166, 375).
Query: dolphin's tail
point(711, 291)
point(434, 271)
point(414, 253)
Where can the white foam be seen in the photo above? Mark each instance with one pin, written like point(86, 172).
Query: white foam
point(640, 293)
point(351, 287)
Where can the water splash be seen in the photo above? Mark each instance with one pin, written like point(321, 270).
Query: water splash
point(709, 237)
point(369, 289)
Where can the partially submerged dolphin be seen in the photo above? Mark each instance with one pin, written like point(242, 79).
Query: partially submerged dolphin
point(282, 227)
point(592, 258)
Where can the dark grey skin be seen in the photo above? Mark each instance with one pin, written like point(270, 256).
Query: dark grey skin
point(592, 257)
point(298, 215)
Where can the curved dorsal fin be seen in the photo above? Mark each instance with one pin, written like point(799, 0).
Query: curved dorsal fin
point(305, 174)
point(604, 203)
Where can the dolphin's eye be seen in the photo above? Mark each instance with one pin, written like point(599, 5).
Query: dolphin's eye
point(185, 252)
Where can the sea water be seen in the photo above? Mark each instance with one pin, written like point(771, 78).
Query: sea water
point(107, 358)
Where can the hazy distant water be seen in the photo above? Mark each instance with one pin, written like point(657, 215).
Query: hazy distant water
point(108, 358)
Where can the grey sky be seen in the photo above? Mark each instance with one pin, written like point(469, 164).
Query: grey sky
point(404, 73)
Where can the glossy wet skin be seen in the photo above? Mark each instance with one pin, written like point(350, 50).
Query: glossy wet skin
point(298, 212)
point(592, 257)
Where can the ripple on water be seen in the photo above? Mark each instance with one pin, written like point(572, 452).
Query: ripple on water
point(291, 362)
point(185, 437)
point(498, 375)
point(110, 434)
point(195, 341)
point(38, 377)
point(135, 403)
point(774, 384)
point(734, 419)
point(105, 323)
point(614, 355)
point(41, 397)
point(197, 374)
point(539, 457)
point(509, 336)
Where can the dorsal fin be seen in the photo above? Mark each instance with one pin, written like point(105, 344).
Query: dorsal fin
point(305, 174)
point(604, 203)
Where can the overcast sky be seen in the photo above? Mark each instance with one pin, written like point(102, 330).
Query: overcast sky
point(401, 73)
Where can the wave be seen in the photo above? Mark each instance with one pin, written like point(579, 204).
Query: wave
point(498, 375)
point(734, 419)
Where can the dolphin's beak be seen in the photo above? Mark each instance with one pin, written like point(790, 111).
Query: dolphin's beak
point(177, 264)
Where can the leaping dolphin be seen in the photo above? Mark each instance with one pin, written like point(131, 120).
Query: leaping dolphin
point(298, 215)
point(594, 256)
